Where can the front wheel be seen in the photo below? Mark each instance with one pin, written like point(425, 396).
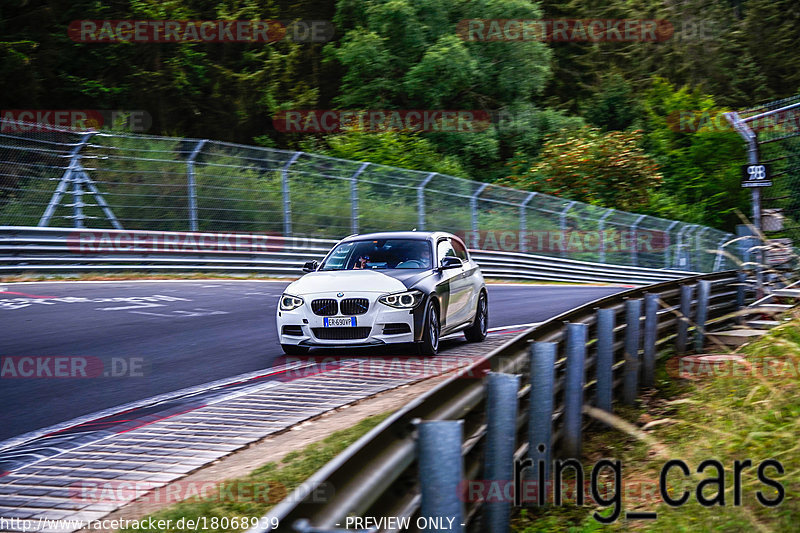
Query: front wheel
point(477, 331)
point(430, 333)
point(294, 349)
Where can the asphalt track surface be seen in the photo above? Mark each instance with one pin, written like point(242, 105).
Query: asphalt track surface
point(142, 339)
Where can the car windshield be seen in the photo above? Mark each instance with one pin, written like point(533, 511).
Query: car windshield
point(377, 254)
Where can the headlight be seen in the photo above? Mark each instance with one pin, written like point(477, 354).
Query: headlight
point(289, 302)
point(402, 300)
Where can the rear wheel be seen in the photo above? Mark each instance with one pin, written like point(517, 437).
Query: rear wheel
point(477, 331)
point(431, 331)
point(294, 349)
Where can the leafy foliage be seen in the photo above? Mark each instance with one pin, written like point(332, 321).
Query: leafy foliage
point(609, 169)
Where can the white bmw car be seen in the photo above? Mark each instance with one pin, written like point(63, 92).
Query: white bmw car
point(385, 288)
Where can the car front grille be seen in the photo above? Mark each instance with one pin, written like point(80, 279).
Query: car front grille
point(354, 306)
point(325, 307)
point(341, 334)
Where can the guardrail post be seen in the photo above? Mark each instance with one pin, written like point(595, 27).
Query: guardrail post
point(501, 435)
point(523, 221)
point(687, 293)
point(191, 185)
point(703, 295)
point(633, 313)
point(540, 413)
point(354, 197)
point(605, 358)
point(574, 380)
point(441, 469)
point(421, 201)
point(287, 202)
point(650, 335)
point(473, 206)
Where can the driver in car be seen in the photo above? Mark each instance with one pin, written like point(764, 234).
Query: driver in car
point(361, 263)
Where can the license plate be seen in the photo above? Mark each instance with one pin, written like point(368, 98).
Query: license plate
point(347, 322)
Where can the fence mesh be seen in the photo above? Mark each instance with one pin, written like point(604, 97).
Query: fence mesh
point(63, 178)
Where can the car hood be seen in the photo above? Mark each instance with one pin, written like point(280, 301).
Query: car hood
point(346, 281)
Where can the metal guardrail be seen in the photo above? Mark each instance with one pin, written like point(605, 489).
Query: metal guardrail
point(379, 475)
point(39, 250)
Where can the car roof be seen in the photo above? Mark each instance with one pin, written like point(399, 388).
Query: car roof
point(418, 235)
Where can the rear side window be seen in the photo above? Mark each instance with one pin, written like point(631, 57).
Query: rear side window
point(461, 252)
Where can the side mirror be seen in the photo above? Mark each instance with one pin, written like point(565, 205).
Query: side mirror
point(310, 266)
point(451, 262)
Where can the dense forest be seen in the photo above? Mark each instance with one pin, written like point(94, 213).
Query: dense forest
point(601, 122)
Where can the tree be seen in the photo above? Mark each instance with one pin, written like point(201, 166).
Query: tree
point(608, 169)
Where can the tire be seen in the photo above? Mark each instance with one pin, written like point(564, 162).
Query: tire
point(294, 349)
point(431, 331)
point(477, 331)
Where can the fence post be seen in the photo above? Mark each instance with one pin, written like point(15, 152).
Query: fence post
point(77, 203)
point(601, 227)
point(678, 247)
point(687, 293)
point(523, 221)
point(540, 413)
point(573, 388)
point(650, 335)
point(741, 285)
point(287, 203)
point(501, 432)
point(562, 222)
point(473, 206)
point(633, 313)
point(698, 247)
point(703, 295)
point(191, 185)
point(720, 250)
point(605, 358)
point(441, 469)
point(421, 200)
point(667, 239)
point(354, 197)
point(66, 179)
point(635, 241)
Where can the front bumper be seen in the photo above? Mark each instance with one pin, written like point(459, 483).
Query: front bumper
point(379, 325)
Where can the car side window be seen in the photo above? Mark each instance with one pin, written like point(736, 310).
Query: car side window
point(461, 252)
point(444, 249)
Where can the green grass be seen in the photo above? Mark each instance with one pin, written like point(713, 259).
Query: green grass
point(253, 495)
point(727, 417)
